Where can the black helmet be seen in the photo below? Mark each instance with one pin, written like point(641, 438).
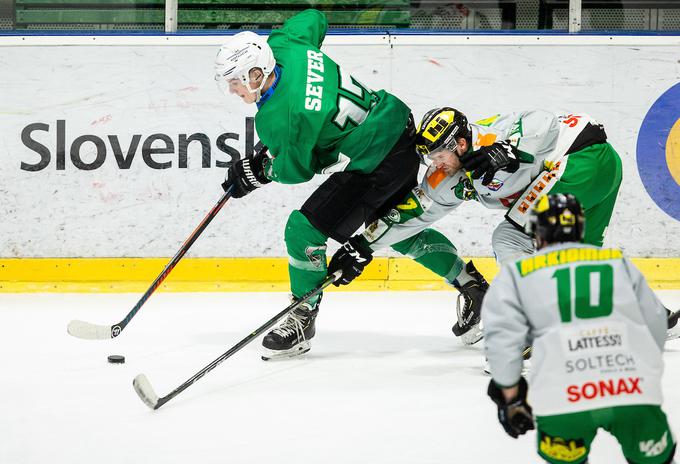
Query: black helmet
point(440, 128)
point(557, 218)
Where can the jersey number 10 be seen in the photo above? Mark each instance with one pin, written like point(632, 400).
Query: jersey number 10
point(586, 304)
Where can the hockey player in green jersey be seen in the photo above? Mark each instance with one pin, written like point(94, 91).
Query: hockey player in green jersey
point(315, 118)
point(598, 333)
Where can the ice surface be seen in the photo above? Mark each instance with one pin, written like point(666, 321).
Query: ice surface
point(385, 382)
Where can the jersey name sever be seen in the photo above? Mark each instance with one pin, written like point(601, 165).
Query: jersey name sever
point(321, 119)
point(314, 92)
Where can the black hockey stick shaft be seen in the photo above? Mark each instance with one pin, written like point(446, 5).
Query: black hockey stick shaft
point(118, 328)
point(252, 336)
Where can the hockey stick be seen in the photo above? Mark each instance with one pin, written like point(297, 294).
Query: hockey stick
point(146, 392)
point(89, 331)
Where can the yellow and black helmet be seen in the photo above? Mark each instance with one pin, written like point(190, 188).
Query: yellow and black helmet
point(440, 128)
point(557, 218)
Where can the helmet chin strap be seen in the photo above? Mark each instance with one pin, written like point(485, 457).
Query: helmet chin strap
point(257, 91)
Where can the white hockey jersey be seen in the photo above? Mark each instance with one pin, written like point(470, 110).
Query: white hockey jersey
point(543, 138)
point(596, 327)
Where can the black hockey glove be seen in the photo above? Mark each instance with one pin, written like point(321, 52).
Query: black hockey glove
point(247, 174)
point(499, 156)
point(515, 416)
point(352, 257)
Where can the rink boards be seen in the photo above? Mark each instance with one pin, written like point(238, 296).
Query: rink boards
point(114, 148)
point(104, 275)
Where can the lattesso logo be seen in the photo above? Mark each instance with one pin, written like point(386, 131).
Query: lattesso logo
point(88, 152)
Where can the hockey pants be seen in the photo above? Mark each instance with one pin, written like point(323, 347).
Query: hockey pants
point(341, 205)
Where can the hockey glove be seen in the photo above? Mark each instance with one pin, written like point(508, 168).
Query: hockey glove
point(247, 174)
point(499, 156)
point(515, 415)
point(352, 257)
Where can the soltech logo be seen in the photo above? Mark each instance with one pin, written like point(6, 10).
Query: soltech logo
point(604, 364)
point(88, 152)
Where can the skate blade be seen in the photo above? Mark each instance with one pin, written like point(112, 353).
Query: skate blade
point(674, 321)
point(473, 335)
point(297, 350)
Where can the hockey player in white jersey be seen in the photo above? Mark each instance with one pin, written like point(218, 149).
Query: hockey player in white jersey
point(503, 162)
point(598, 333)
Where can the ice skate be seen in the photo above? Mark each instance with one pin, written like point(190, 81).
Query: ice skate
point(469, 325)
point(292, 337)
point(673, 325)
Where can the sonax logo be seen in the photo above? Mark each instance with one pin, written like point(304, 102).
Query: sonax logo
point(603, 388)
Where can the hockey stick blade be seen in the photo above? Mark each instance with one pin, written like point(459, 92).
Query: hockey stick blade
point(145, 391)
point(88, 331)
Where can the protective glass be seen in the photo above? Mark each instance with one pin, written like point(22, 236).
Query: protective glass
point(225, 86)
point(442, 151)
point(222, 84)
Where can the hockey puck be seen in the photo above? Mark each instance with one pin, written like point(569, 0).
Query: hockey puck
point(116, 359)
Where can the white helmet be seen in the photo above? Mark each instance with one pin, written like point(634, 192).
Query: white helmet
point(244, 51)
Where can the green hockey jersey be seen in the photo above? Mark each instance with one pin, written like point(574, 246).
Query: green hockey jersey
point(320, 119)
